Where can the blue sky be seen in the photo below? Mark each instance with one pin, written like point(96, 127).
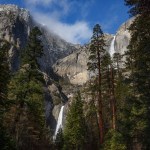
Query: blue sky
point(73, 20)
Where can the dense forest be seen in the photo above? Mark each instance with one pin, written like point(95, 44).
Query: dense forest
point(116, 115)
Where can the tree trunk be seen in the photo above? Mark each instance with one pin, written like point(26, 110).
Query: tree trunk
point(118, 68)
point(113, 101)
point(100, 101)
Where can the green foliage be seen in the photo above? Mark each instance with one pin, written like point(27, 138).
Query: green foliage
point(6, 141)
point(75, 131)
point(96, 48)
point(92, 125)
point(34, 49)
point(98, 61)
point(25, 118)
point(138, 58)
point(138, 6)
point(59, 142)
point(4, 72)
point(114, 141)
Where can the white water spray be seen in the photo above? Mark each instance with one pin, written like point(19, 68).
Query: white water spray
point(112, 47)
point(59, 121)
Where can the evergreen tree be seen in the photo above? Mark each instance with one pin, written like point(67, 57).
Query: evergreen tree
point(59, 141)
point(75, 130)
point(117, 62)
point(138, 58)
point(113, 100)
point(94, 65)
point(108, 76)
point(114, 141)
point(33, 50)
point(91, 117)
point(26, 116)
point(6, 142)
point(4, 76)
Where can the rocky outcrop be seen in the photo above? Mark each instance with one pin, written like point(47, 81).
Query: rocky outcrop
point(74, 66)
point(15, 26)
point(67, 60)
point(55, 48)
point(123, 38)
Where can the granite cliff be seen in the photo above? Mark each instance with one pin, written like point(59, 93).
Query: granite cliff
point(74, 66)
point(61, 59)
point(15, 26)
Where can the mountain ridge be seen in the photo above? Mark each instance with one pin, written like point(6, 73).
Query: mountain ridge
point(15, 26)
point(66, 59)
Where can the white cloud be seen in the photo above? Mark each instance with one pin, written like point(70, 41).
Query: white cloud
point(74, 33)
point(79, 32)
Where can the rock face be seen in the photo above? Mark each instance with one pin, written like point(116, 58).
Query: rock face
point(15, 26)
point(66, 59)
point(74, 66)
point(123, 37)
point(54, 48)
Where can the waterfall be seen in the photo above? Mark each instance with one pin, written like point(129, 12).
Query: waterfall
point(112, 47)
point(59, 121)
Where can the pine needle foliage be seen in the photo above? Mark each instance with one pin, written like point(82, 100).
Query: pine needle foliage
point(75, 130)
point(26, 118)
point(6, 141)
point(138, 58)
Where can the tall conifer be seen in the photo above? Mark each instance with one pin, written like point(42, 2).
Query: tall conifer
point(94, 65)
point(138, 58)
point(75, 130)
point(6, 141)
point(27, 123)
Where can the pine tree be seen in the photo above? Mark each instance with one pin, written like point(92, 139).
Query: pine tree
point(59, 142)
point(6, 142)
point(138, 58)
point(114, 141)
point(91, 118)
point(4, 71)
point(33, 50)
point(26, 116)
point(75, 130)
point(108, 76)
point(94, 65)
point(117, 62)
point(118, 135)
point(113, 100)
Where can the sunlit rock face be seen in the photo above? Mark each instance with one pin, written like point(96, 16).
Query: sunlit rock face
point(66, 59)
point(123, 37)
point(74, 66)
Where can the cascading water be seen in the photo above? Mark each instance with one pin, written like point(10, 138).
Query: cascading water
point(59, 121)
point(112, 47)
